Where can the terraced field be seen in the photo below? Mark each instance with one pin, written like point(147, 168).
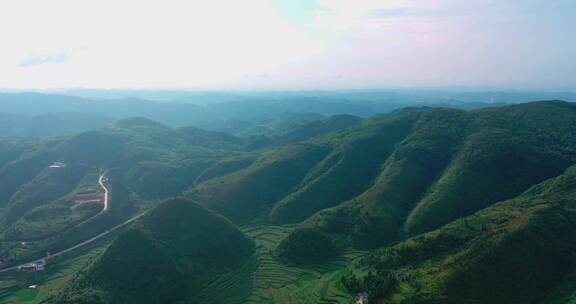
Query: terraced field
point(232, 288)
point(56, 275)
point(65, 268)
point(267, 280)
point(263, 280)
point(276, 282)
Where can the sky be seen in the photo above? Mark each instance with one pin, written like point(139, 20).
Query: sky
point(288, 44)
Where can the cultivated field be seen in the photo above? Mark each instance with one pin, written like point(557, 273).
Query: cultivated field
point(57, 274)
point(266, 279)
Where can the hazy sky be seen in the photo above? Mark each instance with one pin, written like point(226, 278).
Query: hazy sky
point(287, 44)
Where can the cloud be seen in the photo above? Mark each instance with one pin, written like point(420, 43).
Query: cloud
point(182, 43)
point(45, 58)
point(405, 11)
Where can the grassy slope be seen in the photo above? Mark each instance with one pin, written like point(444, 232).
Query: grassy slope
point(248, 193)
point(52, 218)
point(224, 167)
point(11, 149)
point(517, 251)
point(453, 164)
point(399, 175)
point(450, 161)
point(429, 171)
point(46, 187)
point(149, 160)
point(316, 128)
point(166, 258)
point(409, 170)
point(57, 275)
point(515, 148)
point(275, 281)
point(565, 292)
point(21, 167)
point(264, 277)
point(346, 172)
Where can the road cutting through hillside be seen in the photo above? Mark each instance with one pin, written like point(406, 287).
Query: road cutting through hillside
point(101, 182)
point(104, 203)
point(88, 241)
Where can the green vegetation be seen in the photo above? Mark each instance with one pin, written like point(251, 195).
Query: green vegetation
point(250, 192)
point(516, 251)
point(153, 179)
point(276, 281)
point(46, 187)
point(457, 206)
point(319, 127)
point(565, 292)
point(307, 130)
point(344, 173)
point(165, 258)
point(24, 295)
point(10, 149)
point(24, 166)
point(224, 167)
point(402, 174)
point(58, 273)
point(453, 164)
point(48, 124)
point(145, 160)
point(306, 246)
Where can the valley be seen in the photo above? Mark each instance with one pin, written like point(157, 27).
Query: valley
point(409, 207)
point(288, 152)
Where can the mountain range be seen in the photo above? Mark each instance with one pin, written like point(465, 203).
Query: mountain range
point(418, 205)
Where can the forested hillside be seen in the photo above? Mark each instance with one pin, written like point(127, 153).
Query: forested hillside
point(167, 257)
point(423, 205)
point(144, 160)
point(403, 174)
point(516, 251)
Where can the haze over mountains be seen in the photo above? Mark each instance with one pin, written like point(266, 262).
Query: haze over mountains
point(402, 174)
point(26, 114)
point(288, 152)
point(416, 205)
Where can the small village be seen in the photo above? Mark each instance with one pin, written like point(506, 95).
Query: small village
point(38, 265)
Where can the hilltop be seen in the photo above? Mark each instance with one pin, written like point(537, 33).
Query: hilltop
point(402, 174)
point(516, 251)
point(144, 160)
point(165, 258)
point(422, 205)
point(31, 114)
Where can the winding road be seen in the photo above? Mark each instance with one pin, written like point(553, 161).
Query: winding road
point(101, 182)
point(90, 240)
point(105, 203)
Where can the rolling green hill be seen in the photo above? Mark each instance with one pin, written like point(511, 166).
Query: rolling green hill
point(22, 162)
point(165, 258)
point(306, 246)
point(453, 164)
point(135, 139)
point(423, 205)
point(311, 129)
point(290, 128)
point(49, 124)
point(516, 251)
point(46, 187)
point(146, 159)
point(402, 174)
point(225, 167)
point(250, 192)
